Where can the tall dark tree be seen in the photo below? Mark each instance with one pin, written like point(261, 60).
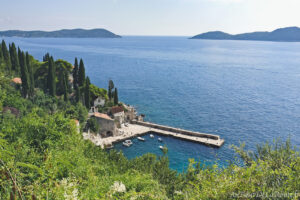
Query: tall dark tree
point(110, 89)
point(51, 77)
point(81, 73)
point(77, 95)
point(19, 56)
point(1, 56)
point(6, 56)
point(46, 57)
point(30, 74)
point(116, 98)
point(75, 74)
point(14, 58)
point(65, 87)
point(24, 75)
point(87, 93)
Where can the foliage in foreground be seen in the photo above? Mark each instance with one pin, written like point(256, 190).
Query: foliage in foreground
point(42, 156)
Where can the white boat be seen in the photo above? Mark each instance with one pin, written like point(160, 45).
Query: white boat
point(161, 147)
point(152, 136)
point(127, 143)
point(159, 139)
point(140, 138)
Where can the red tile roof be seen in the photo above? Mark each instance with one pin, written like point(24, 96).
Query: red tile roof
point(101, 115)
point(17, 80)
point(116, 109)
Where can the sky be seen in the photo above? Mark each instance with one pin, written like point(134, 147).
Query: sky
point(150, 17)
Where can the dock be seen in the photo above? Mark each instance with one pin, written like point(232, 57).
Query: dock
point(139, 128)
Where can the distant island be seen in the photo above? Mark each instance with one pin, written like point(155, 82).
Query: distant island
point(64, 33)
point(289, 34)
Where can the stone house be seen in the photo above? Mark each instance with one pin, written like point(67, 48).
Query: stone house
point(119, 115)
point(99, 101)
point(130, 113)
point(107, 124)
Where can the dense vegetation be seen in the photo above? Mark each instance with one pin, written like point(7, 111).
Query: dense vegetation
point(43, 156)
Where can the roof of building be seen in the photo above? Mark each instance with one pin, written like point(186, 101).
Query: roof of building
point(116, 109)
point(12, 110)
point(17, 80)
point(101, 115)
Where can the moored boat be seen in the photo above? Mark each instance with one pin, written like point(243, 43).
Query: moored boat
point(141, 139)
point(159, 139)
point(152, 136)
point(127, 143)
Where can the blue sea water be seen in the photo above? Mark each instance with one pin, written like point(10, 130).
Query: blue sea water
point(244, 91)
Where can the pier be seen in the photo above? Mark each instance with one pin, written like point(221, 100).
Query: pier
point(139, 128)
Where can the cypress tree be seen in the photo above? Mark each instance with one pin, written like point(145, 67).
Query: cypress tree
point(65, 87)
point(75, 74)
point(110, 88)
point(19, 56)
point(81, 73)
point(30, 75)
point(116, 98)
point(77, 95)
point(14, 58)
point(24, 75)
point(46, 57)
point(6, 56)
point(51, 77)
point(87, 92)
point(1, 56)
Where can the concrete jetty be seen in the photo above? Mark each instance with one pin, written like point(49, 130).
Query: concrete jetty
point(139, 128)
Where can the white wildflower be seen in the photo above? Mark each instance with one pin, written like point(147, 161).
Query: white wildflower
point(118, 187)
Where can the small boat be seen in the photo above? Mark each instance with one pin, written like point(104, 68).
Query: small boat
point(140, 138)
point(159, 139)
point(127, 143)
point(161, 147)
point(152, 136)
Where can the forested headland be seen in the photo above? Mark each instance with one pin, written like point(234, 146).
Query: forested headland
point(43, 156)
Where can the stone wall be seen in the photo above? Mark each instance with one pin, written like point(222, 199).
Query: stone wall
point(107, 127)
point(176, 130)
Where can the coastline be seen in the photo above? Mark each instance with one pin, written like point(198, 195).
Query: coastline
point(136, 128)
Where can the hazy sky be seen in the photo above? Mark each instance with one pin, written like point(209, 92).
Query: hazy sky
point(150, 17)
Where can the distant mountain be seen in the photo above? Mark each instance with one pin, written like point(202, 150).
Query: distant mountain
point(290, 34)
point(65, 33)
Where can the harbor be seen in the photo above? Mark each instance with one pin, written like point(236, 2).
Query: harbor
point(139, 128)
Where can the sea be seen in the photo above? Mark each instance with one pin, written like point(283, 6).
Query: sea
point(245, 91)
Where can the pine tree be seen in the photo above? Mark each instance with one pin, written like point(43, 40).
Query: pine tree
point(75, 74)
point(6, 56)
point(116, 98)
point(14, 58)
point(110, 88)
point(87, 92)
point(51, 77)
point(81, 73)
point(30, 75)
point(24, 75)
